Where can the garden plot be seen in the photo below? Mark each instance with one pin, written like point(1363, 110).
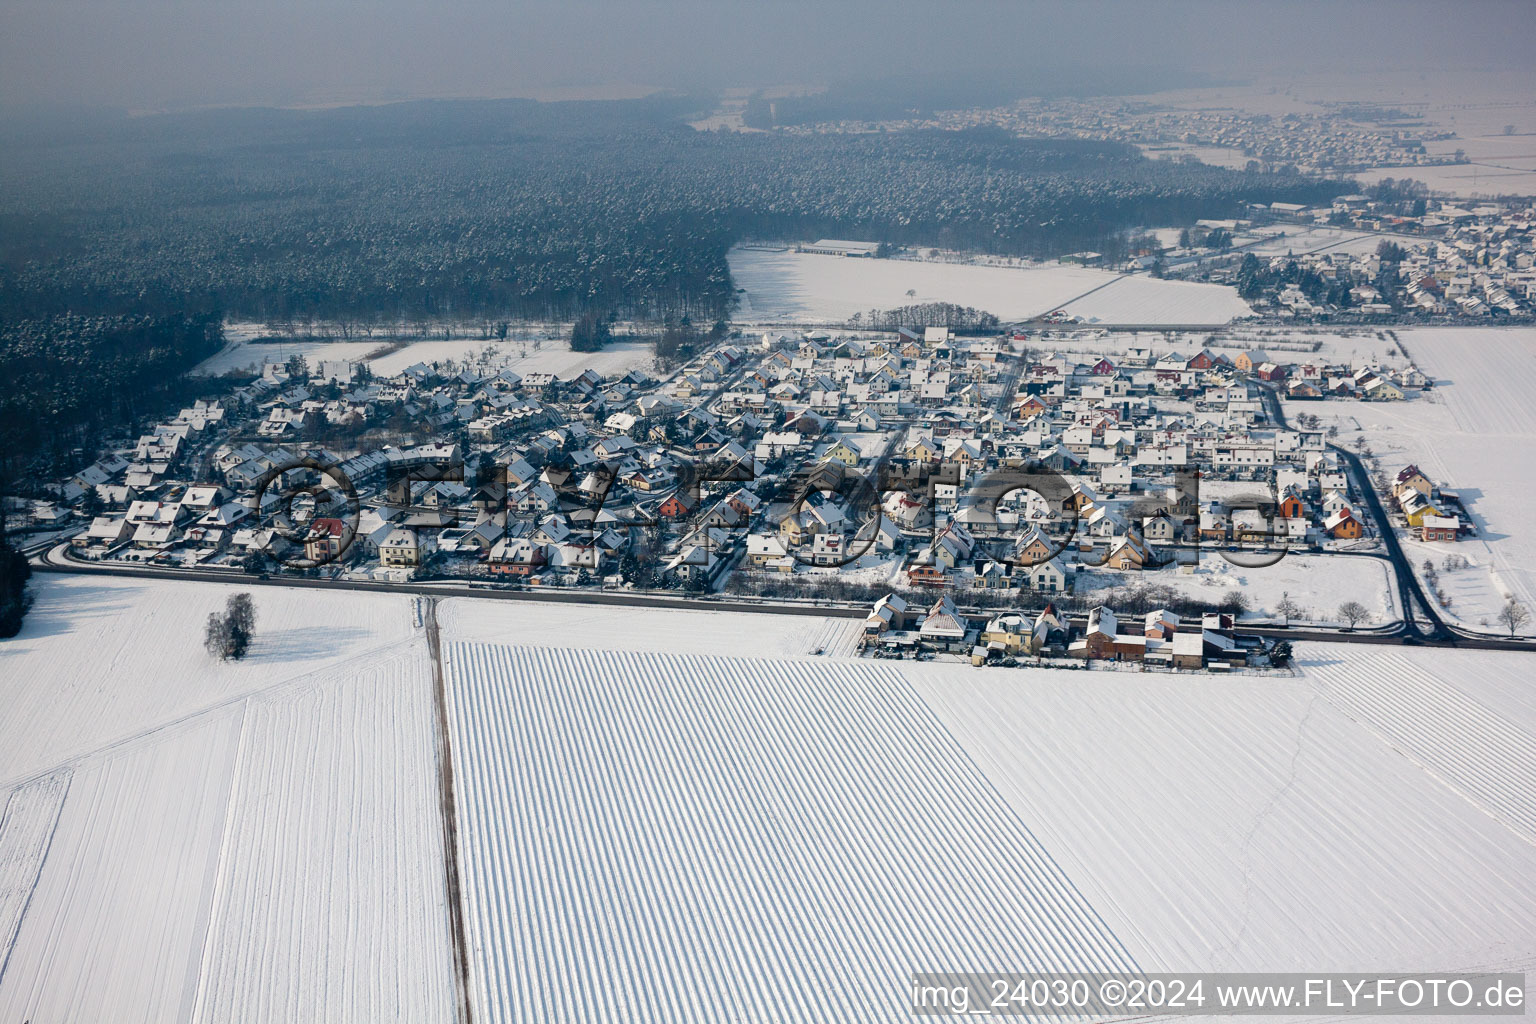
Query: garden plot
point(651, 837)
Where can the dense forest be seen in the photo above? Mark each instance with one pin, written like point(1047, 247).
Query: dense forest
point(68, 380)
point(516, 208)
point(14, 573)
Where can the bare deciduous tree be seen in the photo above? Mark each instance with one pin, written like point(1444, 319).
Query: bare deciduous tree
point(1513, 615)
point(1288, 608)
point(1353, 613)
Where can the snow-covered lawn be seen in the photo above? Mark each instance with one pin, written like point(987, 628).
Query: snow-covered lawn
point(197, 841)
point(1140, 299)
point(807, 287)
point(1317, 583)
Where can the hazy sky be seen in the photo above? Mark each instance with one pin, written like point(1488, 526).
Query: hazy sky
point(177, 53)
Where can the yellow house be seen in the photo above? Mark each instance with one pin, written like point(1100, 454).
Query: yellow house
point(1129, 554)
point(1380, 390)
point(924, 450)
point(1416, 506)
point(791, 530)
point(1009, 633)
point(1034, 549)
point(842, 451)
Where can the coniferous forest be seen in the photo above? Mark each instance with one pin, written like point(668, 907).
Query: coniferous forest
point(517, 208)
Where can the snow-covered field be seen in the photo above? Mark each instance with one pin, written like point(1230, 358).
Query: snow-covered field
point(1273, 824)
point(786, 285)
point(186, 840)
point(1475, 434)
point(687, 815)
point(1297, 239)
point(105, 661)
point(1147, 300)
point(657, 837)
point(1496, 176)
point(616, 628)
point(1337, 819)
point(1347, 346)
point(242, 354)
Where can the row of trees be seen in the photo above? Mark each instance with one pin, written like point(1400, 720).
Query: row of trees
point(926, 314)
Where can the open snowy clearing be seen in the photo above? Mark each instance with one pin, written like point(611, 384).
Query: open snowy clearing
point(1148, 300)
point(1474, 434)
point(248, 357)
point(188, 840)
point(786, 285)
